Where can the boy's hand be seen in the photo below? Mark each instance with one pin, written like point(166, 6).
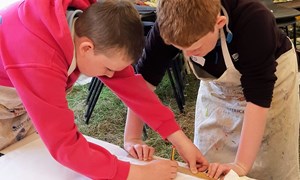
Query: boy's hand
point(157, 169)
point(193, 157)
point(217, 170)
point(139, 150)
point(188, 151)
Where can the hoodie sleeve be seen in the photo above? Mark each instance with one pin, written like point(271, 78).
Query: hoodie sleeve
point(44, 18)
point(133, 91)
point(42, 91)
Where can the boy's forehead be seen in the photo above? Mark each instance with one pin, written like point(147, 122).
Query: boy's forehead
point(194, 46)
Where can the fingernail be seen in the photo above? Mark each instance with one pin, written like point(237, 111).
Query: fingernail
point(194, 171)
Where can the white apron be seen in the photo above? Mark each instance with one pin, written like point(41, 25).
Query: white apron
point(220, 111)
point(14, 121)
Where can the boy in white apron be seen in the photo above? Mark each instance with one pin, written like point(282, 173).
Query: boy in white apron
point(247, 111)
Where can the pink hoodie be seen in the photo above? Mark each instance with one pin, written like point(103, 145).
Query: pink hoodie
point(36, 50)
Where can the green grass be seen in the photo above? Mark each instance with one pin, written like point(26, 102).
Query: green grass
point(108, 119)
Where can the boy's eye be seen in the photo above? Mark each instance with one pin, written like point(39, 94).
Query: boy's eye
point(110, 70)
point(196, 50)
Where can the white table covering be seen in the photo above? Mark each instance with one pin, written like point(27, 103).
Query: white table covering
point(30, 160)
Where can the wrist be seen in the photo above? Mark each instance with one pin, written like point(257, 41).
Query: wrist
point(133, 140)
point(178, 139)
point(240, 169)
point(134, 172)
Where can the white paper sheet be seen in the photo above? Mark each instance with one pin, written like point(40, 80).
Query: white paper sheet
point(32, 161)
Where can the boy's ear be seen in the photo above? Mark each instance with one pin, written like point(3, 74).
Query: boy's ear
point(221, 21)
point(85, 46)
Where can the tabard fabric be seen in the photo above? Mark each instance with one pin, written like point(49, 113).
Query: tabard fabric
point(14, 121)
point(219, 117)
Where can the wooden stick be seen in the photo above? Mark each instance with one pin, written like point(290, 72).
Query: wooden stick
point(188, 172)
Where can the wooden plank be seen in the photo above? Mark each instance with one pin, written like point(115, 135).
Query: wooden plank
point(188, 172)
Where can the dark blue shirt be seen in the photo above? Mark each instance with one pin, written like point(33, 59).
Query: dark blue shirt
point(257, 43)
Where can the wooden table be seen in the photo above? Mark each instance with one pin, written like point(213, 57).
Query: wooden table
point(291, 4)
point(295, 4)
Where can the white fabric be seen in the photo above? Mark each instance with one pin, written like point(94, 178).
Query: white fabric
point(15, 123)
point(219, 116)
point(29, 160)
point(32, 161)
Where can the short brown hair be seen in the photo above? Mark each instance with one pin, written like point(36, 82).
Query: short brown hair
point(183, 22)
point(112, 25)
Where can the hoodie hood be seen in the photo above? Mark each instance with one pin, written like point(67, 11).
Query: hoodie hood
point(47, 20)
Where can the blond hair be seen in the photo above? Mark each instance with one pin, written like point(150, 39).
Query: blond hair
point(183, 22)
point(112, 25)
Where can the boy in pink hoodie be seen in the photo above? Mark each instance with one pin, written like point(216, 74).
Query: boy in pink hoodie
point(43, 49)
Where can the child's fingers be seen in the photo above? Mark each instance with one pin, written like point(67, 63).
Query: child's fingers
point(148, 152)
point(219, 173)
point(193, 168)
point(132, 152)
point(202, 163)
point(201, 167)
point(151, 152)
point(212, 169)
point(139, 151)
point(145, 152)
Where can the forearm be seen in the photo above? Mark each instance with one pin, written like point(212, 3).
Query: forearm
point(251, 137)
point(179, 139)
point(134, 125)
point(188, 151)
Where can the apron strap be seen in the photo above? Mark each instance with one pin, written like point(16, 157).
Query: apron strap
point(71, 18)
point(225, 51)
point(73, 63)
